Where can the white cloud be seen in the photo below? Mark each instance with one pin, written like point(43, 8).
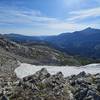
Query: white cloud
point(64, 26)
point(83, 14)
point(16, 16)
point(74, 4)
point(37, 23)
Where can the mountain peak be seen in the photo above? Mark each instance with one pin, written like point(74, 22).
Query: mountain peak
point(88, 29)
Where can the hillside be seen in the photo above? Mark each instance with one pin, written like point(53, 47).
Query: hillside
point(35, 54)
point(85, 43)
point(42, 85)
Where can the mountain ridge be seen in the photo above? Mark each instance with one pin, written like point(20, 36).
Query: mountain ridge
point(37, 54)
point(83, 43)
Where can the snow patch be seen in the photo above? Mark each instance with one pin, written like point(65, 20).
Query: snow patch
point(27, 69)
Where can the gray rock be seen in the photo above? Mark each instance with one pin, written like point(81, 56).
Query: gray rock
point(98, 87)
point(82, 74)
point(80, 95)
point(4, 98)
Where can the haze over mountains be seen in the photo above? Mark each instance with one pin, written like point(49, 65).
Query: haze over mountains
point(85, 43)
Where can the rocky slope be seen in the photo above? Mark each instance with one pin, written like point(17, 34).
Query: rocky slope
point(36, 54)
point(85, 43)
point(11, 53)
point(43, 86)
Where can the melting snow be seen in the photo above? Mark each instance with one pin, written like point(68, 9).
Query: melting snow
point(28, 69)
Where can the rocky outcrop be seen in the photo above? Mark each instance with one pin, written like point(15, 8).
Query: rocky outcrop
point(85, 86)
point(44, 86)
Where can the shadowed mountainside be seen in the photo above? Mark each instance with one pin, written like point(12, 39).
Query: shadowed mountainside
point(85, 43)
point(35, 54)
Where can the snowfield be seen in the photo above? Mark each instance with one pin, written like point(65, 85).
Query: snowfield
point(27, 69)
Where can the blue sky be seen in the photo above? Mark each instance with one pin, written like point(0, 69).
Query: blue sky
point(48, 17)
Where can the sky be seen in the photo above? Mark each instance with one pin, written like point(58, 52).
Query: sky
point(48, 17)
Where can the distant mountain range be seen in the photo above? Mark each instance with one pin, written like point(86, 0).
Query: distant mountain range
point(36, 54)
point(85, 43)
